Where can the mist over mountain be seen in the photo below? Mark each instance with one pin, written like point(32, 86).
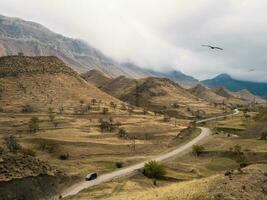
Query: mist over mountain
point(33, 39)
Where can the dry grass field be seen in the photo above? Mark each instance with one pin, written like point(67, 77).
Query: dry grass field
point(191, 177)
point(89, 149)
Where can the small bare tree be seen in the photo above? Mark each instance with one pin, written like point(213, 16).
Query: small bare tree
point(34, 124)
point(12, 144)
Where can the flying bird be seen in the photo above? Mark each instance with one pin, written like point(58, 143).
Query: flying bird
point(213, 47)
point(252, 70)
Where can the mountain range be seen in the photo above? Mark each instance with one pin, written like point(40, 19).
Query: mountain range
point(33, 39)
point(225, 80)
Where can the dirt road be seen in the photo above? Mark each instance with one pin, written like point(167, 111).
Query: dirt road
point(205, 132)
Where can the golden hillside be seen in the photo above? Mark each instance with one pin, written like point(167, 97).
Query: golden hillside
point(159, 95)
point(43, 82)
point(96, 77)
point(251, 184)
point(206, 94)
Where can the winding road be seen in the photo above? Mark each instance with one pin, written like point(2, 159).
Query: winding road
point(205, 132)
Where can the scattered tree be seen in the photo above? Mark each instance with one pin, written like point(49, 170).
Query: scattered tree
point(113, 105)
point(166, 118)
point(123, 107)
point(264, 136)
point(29, 152)
point(237, 149)
point(26, 109)
point(106, 126)
point(81, 102)
point(105, 110)
point(64, 156)
point(12, 144)
point(51, 117)
point(175, 105)
point(122, 133)
point(154, 170)
point(34, 124)
point(198, 150)
point(93, 101)
point(119, 164)
point(61, 109)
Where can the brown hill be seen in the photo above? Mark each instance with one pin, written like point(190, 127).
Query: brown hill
point(204, 93)
point(96, 77)
point(221, 91)
point(157, 94)
point(246, 95)
point(241, 97)
point(43, 82)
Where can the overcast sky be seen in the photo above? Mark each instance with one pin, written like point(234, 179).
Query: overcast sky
point(163, 34)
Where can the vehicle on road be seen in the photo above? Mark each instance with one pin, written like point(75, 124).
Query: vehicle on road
point(91, 176)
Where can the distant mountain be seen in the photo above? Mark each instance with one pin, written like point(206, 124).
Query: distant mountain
point(225, 80)
point(174, 75)
point(33, 39)
point(181, 78)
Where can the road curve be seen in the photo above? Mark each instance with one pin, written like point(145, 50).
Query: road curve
point(205, 132)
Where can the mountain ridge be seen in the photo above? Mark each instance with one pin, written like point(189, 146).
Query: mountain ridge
point(234, 85)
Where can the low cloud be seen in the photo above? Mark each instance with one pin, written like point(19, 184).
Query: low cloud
point(163, 34)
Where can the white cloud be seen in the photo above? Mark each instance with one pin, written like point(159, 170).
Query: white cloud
point(162, 34)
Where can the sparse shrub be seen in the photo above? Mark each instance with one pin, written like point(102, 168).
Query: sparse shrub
point(117, 124)
point(48, 146)
point(34, 124)
point(20, 54)
point(12, 144)
point(176, 105)
point(119, 164)
point(105, 110)
point(237, 149)
point(155, 170)
point(51, 117)
point(130, 110)
point(81, 102)
point(122, 133)
point(93, 101)
point(29, 152)
point(113, 105)
point(106, 126)
point(61, 109)
point(50, 110)
point(198, 150)
point(123, 107)
point(166, 118)
point(26, 109)
point(1, 150)
point(243, 164)
point(264, 136)
point(64, 156)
